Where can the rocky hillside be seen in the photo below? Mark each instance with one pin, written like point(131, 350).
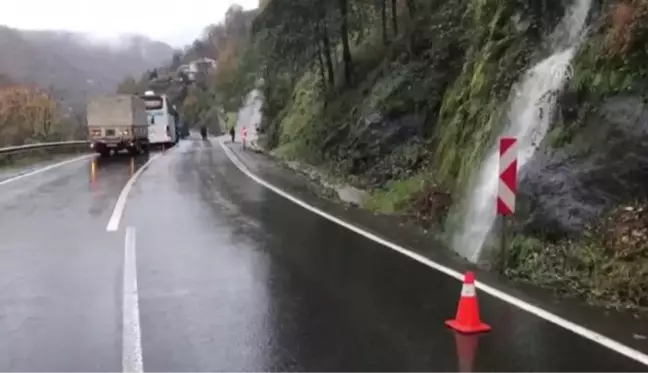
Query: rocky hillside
point(73, 64)
point(405, 99)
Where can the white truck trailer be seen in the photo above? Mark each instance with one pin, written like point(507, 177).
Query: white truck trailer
point(118, 122)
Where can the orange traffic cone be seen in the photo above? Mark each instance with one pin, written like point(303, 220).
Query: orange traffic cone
point(467, 319)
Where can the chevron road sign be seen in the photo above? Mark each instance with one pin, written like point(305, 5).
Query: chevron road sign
point(507, 176)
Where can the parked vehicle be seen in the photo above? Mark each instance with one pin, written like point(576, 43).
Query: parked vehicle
point(161, 119)
point(117, 122)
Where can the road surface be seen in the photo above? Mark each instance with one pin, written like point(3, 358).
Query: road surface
point(211, 271)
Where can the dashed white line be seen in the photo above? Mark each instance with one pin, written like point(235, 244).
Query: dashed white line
point(530, 308)
point(118, 211)
point(131, 331)
point(46, 168)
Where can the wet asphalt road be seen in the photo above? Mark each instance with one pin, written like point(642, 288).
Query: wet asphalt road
point(233, 277)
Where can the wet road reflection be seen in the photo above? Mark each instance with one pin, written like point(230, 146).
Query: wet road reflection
point(254, 282)
point(233, 277)
point(59, 268)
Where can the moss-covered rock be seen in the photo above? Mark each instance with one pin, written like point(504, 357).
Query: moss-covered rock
point(604, 164)
point(426, 107)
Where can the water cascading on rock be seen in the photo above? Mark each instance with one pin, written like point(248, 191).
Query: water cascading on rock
point(249, 114)
point(529, 118)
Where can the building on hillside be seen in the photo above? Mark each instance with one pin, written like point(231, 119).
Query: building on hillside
point(183, 68)
point(202, 66)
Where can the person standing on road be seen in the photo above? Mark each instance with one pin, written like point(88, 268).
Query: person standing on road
point(232, 132)
point(244, 135)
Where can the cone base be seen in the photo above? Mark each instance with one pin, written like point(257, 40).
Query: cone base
point(468, 329)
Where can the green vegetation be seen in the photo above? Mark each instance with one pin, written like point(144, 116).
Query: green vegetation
point(396, 195)
point(204, 95)
point(612, 62)
point(606, 266)
point(230, 119)
point(606, 263)
point(404, 97)
point(388, 93)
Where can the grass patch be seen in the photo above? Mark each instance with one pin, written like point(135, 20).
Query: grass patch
point(290, 151)
point(304, 109)
point(396, 195)
point(231, 118)
point(607, 266)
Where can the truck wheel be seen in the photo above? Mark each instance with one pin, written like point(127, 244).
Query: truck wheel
point(133, 150)
point(104, 153)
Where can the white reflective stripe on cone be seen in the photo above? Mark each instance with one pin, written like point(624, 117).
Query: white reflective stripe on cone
point(468, 290)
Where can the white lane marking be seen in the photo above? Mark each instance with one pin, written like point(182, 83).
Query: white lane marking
point(46, 168)
point(519, 303)
point(118, 211)
point(131, 331)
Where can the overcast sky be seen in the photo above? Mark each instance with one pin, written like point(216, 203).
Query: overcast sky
point(176, 22)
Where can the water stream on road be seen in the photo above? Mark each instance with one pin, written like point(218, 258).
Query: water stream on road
point(530, 114)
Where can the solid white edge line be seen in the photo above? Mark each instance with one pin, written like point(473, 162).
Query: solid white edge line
point(537, 311)
point(46, 168)
point(118, 211)
point(131, 332)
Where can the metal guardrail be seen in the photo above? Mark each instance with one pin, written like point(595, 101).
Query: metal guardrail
point(43, 146)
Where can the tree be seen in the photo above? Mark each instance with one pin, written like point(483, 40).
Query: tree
point(199, 48)
point(215, 36)
point(176, 60)
point(128, 86)
point(190, 110)
point(383, 19)
point(27, 114)
point(224, 77)
point(394, 14)
point(346, 49)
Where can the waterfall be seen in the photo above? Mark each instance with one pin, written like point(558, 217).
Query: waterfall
point(533, 103)
point(249, 114)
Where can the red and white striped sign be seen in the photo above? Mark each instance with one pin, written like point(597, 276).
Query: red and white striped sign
point(507, 176)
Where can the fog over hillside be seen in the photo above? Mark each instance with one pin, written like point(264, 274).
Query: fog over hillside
point(76, 65)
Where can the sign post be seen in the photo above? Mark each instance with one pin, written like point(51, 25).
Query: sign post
point(506, 190)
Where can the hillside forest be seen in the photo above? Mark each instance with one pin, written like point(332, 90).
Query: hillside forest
point(201, 98)
point(404, 98)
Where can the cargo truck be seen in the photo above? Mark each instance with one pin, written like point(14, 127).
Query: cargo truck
point(118, 122)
